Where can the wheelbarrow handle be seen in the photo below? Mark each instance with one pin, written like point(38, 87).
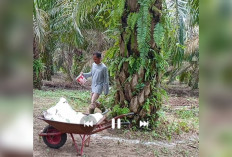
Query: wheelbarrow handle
point(124, 115)
point(131, 113)
point(105, 112)
point(125, 123)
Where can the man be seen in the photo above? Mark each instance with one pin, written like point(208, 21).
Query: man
point(100, 81)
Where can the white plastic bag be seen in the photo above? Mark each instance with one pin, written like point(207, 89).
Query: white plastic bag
point(63, 112)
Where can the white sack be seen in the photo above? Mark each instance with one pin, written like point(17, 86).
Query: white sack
point(63, 112)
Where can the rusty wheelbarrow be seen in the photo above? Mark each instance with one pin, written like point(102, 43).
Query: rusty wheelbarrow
point(55, 134)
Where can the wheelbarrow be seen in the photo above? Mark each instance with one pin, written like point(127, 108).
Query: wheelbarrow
point(55, 134)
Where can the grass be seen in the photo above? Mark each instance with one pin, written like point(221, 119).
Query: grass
point(156, 153)
point(176, 122)
point(77, 99)
point(185, 113)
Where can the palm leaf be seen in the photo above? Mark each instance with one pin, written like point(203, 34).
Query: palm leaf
point(158, 34)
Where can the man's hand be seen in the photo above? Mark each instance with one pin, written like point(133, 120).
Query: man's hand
point(81, 73)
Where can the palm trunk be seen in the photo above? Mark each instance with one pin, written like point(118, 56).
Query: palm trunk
point(37, 79)
point(183, 68)
point(47, 59)
point(128, 94)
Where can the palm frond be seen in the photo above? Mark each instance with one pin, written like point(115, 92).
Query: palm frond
point(194, 10)
point(40, 27)
point(158, 34)
point(143, 28)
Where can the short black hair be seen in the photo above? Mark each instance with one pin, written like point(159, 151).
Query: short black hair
point(97, 54)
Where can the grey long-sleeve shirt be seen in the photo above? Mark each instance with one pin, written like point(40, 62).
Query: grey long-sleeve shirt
point(100, 78)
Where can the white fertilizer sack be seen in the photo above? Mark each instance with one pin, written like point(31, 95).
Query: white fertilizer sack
point(63, 112)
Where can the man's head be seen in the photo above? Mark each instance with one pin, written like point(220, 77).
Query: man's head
point(97, 57)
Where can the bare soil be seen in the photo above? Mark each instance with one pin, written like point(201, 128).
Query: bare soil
point(60, 81)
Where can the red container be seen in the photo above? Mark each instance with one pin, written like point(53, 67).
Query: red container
point(81, 79)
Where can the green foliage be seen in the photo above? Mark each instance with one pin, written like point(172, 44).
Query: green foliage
point(138, 88)
point(120, 63)
point(162, 61)
point(131, 61)
point(184, 126)
point(194, 11)
point(179, 30)
point(113, 66)
point(155, 100)
point(78, 99)
point(86, 69)
point(143, 29)
point(38, 66)
point(187, 113)
point(158, 96)
point(132, 20)
point(119, 8)
point(111, 52)
point(117, 110)
point(111, 58)
point(169, 46)
point(40, 26)
point(175, 122)
point(149, 71)
point(185, 77)
point(62, 14)
point(134, 64)
point(86, 8)
point(117, 61)
point(146, 105)
point(108, 101)
point(178, 54)
point(158, 34)
point(127, 38)
point(77, 61)
point(116, 11)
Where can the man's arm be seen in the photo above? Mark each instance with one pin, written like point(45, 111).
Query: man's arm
point(87, 75)
point(106, 81)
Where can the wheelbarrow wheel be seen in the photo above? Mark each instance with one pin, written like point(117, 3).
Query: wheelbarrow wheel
point(56, 141)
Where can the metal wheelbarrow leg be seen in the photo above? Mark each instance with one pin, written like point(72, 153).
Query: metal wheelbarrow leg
point(83, 142)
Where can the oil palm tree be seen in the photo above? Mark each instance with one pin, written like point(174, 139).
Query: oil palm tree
point(185, 15)
point(54, 27)
point(40, 27)
point(138, 32)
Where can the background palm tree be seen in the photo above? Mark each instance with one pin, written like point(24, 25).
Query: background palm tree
point(40, 27)
point(186, 13)
point(63, 45)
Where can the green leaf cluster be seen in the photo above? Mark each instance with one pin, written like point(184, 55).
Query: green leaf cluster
point(132, 20)
point(158, 34)
point(143, 29)
point(38, 66)
point(117, 110)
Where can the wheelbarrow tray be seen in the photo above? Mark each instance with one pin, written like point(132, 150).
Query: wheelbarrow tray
point(71, 127)
point(84, 131)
